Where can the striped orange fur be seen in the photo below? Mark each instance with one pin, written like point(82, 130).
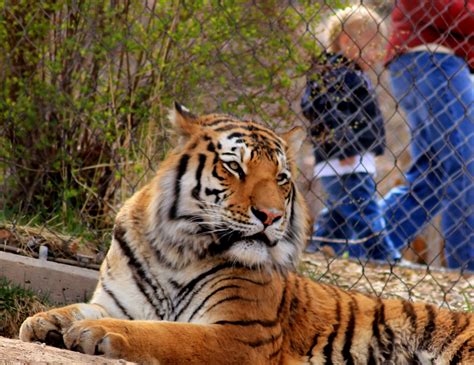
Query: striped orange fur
point(201, 271)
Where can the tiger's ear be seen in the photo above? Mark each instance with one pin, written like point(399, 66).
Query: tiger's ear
point(295, 138)
point(185, 123)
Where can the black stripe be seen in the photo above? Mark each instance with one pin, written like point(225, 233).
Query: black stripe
point(253, 152)
point(202, 285)
point(416, 360)
point(216, 159)
point(275, 353)
point(390, 336)
point(265, 134)
point(328, 348)
point(263, 323)
point(250, 322)
point(315, 340)
point(456, 329)
point(307, 305)
point(116, 301)
point(410, 313)
point(227, 278)
point(215, 192)
point(228, 299)
point(175, 284)
point(188, 289)
point(218, 121)
point(137, 270)
point(182, 166)
point(190, 286)
point(294, 300)
point(346, 351)
point(215, 174)
point(387, 348)
point(379, 318)
point(262, 342)
point(226, 239)
point(283, 298)
point(371, 360)
point(314, 343)
point(228, 127)
point(197, 189)
point(246, 126)
point(430, 327)
point(162, 259)
point(457, 358)
point(211, 147)
point(290, 234)
point(293, 309)
point(236, 135)
point(209, 296)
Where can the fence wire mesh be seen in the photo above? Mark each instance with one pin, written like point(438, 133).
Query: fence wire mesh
point(383, 88)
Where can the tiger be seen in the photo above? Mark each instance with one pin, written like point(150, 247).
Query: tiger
point(202, 270)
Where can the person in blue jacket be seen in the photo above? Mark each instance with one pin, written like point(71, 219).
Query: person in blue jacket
point(347, 131)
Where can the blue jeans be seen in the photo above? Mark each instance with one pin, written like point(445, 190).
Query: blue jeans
point(352, 213)
point(436, 93)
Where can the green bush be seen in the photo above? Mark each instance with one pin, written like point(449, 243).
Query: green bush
point(87, 86)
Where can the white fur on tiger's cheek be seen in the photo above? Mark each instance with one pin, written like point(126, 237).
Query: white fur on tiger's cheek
point(283, 253)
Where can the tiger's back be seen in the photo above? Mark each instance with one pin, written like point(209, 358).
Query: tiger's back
point(201, 270)
point(344, 327)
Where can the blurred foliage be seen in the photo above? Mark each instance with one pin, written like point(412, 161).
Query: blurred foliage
point(86, 86)
point(16, 304)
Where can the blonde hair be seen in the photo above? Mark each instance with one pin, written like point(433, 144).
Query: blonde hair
point(352, 20)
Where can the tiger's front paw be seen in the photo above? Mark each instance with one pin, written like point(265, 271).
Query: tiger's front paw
point(99, 337)
point(47, 327)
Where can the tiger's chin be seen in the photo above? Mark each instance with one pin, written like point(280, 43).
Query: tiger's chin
point(250, 252)
point(257, 254)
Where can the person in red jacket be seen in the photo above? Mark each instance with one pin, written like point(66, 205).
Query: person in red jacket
point(434, 25)
point(430, 55)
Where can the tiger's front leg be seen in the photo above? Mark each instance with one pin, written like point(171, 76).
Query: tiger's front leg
point(49, 326)
point(154, 342)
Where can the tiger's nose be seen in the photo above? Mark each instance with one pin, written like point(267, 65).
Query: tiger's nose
point(267, 216)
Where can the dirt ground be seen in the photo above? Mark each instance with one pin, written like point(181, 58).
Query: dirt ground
point(442, 287)
point(17, 352)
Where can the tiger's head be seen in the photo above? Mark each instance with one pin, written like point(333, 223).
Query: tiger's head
point(228, 191)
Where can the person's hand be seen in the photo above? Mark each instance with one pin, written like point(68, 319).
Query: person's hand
point(348, 161)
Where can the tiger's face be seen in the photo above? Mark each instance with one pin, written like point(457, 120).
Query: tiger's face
point(229, 192)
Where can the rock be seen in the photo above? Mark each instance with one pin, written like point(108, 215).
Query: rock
point(18, 352)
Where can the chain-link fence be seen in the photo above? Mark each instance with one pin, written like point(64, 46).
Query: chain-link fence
point(383, 89)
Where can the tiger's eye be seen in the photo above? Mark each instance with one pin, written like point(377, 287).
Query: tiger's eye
point(282, 178)
point(233, 165)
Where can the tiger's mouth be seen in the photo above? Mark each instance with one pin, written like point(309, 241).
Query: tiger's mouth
point(261, 237)
point(230, 237)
